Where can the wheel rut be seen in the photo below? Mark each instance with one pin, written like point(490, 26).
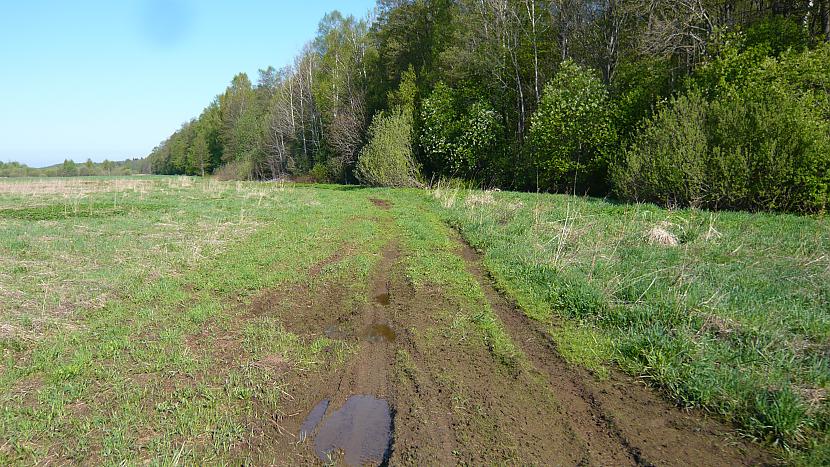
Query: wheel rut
point(622, 422)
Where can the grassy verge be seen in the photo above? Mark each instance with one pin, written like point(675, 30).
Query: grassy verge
point(725, 311)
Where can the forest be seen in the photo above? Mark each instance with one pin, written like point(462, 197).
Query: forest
point(712, 104)
point(70, 168)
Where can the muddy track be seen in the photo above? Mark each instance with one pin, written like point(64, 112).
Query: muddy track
point(439, 398)
point(620, 420)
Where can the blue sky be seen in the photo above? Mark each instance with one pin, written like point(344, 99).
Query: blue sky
point(111, 79)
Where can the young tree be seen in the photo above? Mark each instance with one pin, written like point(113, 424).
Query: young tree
point(571, 132)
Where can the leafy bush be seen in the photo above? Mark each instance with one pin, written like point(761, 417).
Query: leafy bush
point(387, 159)
point(571, 131)
point(667, 160)
point(457, 139)
point(761, 141)
point(320, 173)
point(637, 85)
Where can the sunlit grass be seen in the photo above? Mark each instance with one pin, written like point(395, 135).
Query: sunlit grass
point(733, 318)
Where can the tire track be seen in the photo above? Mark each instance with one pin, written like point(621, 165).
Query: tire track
point(622, 422)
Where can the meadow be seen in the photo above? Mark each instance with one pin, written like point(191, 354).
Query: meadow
point(169, 320)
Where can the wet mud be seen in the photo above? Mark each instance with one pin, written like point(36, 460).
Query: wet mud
point(621, 421)
point(360, 431)
point(412, 391)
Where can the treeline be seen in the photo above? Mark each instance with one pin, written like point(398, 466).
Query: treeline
point(70, 168)
point(721, 104)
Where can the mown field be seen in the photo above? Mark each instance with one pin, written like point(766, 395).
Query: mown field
point(170, 320)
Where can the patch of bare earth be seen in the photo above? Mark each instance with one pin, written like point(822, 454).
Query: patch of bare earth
point(381, 203)
point(621, 421)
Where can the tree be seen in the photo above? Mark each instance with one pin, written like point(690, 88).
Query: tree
point(108, 166)
point(387, 159)
point(69, 168)
point(571, 132)
point(457, 138)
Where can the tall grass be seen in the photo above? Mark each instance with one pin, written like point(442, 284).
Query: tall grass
point(731, 316)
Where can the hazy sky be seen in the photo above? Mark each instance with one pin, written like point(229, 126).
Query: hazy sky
point(111, 79)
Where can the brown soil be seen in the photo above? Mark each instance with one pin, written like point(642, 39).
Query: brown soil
point(622, 421)
point(381, 203)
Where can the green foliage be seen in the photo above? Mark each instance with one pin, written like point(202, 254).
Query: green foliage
point(667, 160)
point(637, 86)
point(777, 34)
point(69, 168)
point(320, 173)
point(571, 131)
point(761, 142)
point(457, 140)
point(387, 159)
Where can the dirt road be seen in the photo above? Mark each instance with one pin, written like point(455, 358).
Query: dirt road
point(417, 390)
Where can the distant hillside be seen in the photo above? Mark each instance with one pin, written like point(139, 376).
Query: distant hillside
point(70, 168)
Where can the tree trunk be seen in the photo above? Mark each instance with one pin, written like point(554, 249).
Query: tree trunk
point(825, 19)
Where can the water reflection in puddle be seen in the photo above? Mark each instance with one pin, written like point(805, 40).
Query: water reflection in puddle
point(379, 333)
point(313, 419)
point(361, 429)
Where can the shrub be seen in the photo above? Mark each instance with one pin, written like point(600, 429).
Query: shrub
point(439, 128)
point(666, 162)
point(387, 159)
point(457, 139)
point(233, 170)
point(761, 141)
point(571, 131)
point(320, 173)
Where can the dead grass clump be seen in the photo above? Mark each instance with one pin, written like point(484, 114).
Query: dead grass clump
point(712, 234)
point(813, 397)
point(660, 235)
point(446, 196)
point(482, 198)
point(719, 325)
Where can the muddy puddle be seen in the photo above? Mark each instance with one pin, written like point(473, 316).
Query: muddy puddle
point(360, 431)
point(313, 419)
point(377, 333)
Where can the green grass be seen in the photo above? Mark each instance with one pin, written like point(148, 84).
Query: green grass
point(735, 318)
point(126, 333)
point(168, 275)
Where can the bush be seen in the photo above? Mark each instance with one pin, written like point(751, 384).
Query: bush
point(571, 131)
point(761, 142)
point(457, 139)
point(387, 159)
point(320, 173)
point(667, 160)
point(234, 170)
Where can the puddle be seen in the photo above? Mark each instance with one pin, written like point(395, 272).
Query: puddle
point(361, 429)
point(379, 333)
point(313, 419)
point(336, 331)
point(382, 298)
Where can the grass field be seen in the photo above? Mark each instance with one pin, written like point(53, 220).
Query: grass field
point(170, 320)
